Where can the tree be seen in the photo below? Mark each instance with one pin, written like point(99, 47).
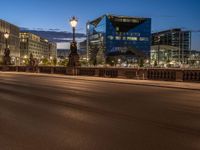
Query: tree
point(84, 62)
point(111, 61)
point(45, 61)
point(63, 62)
point(141, 64)
point(155, 63)
point(31, 60)
point(55, 61)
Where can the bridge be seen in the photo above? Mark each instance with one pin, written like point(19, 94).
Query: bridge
point(160, 74)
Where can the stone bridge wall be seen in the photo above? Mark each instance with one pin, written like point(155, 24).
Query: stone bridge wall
point(181, 75)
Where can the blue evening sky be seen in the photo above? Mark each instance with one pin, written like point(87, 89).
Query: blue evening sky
point(54, 14)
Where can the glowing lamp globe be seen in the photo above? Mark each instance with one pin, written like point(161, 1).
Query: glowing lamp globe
point(73, 22)
point(6, 35)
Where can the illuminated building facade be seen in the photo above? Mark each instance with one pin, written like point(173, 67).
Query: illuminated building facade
point(177, 39)
point(13, 41)
point(112, 37)
point(37, 46)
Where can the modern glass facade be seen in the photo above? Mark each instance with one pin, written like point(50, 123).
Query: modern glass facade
point(118, 36)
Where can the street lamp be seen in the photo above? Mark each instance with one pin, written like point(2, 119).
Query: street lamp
point(73, 22)
point(158, 50)
point(6, 35)
point(73, 56)
point(7, 59)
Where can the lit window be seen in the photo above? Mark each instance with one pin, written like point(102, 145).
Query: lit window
point(110, 37)
point(117, 28)
point(118, 38)
point(144, 39)
point(132, 38)
point(124, 38)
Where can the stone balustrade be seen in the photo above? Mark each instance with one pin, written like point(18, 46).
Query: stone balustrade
point(180, 75)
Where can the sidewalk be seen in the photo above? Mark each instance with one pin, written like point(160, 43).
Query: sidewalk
point(164, 84)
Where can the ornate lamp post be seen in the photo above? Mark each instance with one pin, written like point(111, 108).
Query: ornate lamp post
point(158, 54)
point(6, 35)
point(73, 56)
point(7, 59)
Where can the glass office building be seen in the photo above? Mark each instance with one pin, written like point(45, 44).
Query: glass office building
point(111, 38)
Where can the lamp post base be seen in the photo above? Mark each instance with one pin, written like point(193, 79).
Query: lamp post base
point(7, 58)
point(73, 56)
point(73, 60)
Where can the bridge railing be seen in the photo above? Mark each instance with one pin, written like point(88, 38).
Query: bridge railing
point(185, 75)
point(191, 75)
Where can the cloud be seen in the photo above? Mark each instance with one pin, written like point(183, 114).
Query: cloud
point(54, 29)
point(40, 29)
point(65, 42)
point(63, 45)
point(78, 39)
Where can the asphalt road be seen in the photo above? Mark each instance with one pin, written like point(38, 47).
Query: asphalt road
point(48, 113)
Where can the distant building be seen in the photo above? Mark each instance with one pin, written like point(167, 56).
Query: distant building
point(63, 53)
point(37, 46)
point(13, 41)
point(83, 49)
point(194, 58)
point(112, 37)
point(53, 49)
point(168, 55)
point(83, 46)
point(177, 39)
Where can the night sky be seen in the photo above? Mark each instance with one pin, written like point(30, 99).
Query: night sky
point(54, 14)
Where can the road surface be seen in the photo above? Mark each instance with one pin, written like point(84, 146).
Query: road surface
point(55, 113)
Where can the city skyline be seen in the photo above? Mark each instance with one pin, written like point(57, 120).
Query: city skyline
point(51, 15)
point(101, 74)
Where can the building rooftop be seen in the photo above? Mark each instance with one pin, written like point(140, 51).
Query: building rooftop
point(119, 18)
point(1, 20)
point(123, 23)
point(34, 36)
point(169, 30)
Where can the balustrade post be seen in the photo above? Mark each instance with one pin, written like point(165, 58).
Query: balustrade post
point(179, 75)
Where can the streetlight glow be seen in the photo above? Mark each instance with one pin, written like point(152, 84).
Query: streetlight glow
point(6, 35)
point(73, 22)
